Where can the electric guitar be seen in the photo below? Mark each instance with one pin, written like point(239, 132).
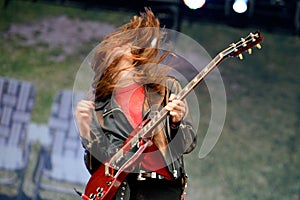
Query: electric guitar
point(110, 177)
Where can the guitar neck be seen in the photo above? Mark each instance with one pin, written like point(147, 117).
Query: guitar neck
point(234, 49)
point(197, 79)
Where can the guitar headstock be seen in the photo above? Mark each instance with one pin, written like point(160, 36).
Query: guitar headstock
point(236, 49)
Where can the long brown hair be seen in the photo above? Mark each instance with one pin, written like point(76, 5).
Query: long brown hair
point(143, 33)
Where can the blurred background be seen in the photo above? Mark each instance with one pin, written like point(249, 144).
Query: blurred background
point(43, 44)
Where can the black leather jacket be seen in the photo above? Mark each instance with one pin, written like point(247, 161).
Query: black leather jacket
point(112, 128)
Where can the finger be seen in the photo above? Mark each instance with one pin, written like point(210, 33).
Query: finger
point(176, 116)
point(172, 97)
point(169, 107)
point(85, 115)
point(180, 109)
point(178, 102)
point(84, 109)
point(179, 105)
point(87, 103)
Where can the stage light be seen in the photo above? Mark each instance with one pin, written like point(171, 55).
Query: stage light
point(194, 4)
point(240, 6)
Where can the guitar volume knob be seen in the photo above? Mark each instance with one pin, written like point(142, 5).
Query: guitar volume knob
point(100, 194)
point(109, 183)
point(92, 196)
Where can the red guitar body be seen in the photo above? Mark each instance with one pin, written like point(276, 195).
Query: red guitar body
point(104, 187)
point(106, 181)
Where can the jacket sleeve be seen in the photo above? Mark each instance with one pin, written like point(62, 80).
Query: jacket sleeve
point(183, 136)
point(96, 151)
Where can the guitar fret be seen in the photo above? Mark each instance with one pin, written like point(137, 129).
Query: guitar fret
point(147, 127)
point(141, 133)
point(151, 123)
point(158, 115)
point(134, 141)
point(199, 77)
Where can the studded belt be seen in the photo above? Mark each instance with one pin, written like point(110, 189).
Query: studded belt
point(144, 175)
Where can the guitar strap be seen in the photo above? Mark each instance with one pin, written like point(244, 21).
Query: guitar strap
point(153, 102)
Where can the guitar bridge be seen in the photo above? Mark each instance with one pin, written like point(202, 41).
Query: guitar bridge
point(106, 170)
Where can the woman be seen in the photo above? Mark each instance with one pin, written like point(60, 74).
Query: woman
point(130, 86)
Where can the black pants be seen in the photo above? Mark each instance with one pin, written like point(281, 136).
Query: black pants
point(154, 189)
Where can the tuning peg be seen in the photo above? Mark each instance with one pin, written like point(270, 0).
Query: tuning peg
point(244, 42)
point(258, 46)
point(250, 51)
point(241, 56)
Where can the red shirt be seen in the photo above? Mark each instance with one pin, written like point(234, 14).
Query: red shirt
point(131, 101)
